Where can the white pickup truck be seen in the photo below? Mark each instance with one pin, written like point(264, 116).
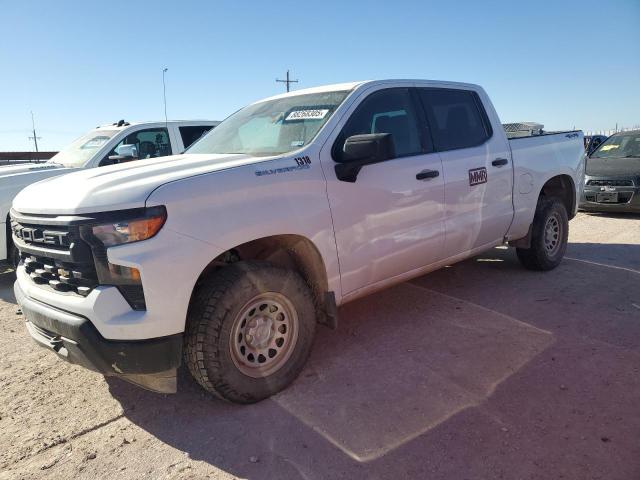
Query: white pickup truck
point(118, 142)
point(225, 258)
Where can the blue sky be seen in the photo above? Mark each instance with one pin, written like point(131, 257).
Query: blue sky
point(81, 64)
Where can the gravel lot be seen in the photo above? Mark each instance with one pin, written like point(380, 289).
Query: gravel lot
point(481, 370)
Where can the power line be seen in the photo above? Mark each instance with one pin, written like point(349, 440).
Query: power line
point(287, 81)
point(35, 138)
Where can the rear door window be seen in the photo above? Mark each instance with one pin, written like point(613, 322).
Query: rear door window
point(456, 118)
point(190, 134)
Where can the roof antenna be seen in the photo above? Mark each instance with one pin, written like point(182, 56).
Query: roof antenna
point(164, 96)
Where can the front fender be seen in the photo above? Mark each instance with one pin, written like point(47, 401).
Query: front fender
point(231, 207)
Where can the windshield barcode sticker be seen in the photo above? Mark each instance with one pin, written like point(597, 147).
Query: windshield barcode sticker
point(316, 114)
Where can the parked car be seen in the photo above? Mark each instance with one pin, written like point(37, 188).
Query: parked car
point(114, 143)
point(612, 180)
point(227, 257)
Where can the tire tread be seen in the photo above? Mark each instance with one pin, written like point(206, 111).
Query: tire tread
point(209, 309)
point(535, 257)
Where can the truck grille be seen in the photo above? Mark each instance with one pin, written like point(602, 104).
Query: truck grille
point(610, 183)
point(61, 276)
point(56, 256)
point(623, 197)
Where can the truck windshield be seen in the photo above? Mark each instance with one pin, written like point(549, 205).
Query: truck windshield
point(619, 146)
point(273, 127)
point(81, 150)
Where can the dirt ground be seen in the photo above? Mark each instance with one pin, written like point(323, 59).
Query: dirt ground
point(482, 370)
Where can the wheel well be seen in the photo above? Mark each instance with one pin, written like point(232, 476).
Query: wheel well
point(288, 251)
point(562, 186)
point(9, 239)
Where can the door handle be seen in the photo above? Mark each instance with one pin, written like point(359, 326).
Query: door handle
point(427, 174)
point(499, 162)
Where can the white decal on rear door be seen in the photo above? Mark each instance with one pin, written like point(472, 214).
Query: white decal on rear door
point(477, 176)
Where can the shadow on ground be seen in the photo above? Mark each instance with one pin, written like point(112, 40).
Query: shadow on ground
point(409, 369)
point(614, 254)
point(7, 278)
point(402, 363)
point(479, 370)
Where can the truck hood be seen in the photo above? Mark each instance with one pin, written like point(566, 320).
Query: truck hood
point(24, 169)
point(602, 167)
point(118, 187)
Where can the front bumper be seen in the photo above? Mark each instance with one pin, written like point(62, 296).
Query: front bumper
point(149, 363)
point(628, 196)
point(169, 264)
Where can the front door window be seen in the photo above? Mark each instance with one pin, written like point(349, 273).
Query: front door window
point(148, 143)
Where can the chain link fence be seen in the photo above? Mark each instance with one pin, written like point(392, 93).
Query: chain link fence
point(608, 133)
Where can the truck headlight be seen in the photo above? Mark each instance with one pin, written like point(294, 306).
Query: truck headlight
point(131, 230)
point(119, 228)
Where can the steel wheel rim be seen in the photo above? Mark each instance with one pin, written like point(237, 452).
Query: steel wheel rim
point(264, 335)
point(552, 234)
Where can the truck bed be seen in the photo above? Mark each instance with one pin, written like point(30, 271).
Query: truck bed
point(551, 151)
point(544, 134)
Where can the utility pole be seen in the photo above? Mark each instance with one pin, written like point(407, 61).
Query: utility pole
point(287, 81)
point(35, 138)
point(164, 96)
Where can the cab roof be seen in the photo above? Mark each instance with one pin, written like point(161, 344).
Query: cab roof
point(122, 124)
point(366, 83)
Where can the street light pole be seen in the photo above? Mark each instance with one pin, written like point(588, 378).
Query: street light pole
point(35, 138)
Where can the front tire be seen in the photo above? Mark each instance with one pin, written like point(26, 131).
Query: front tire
point(250, 329)
point(549, 236)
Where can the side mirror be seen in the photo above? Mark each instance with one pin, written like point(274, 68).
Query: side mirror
point(128, 152)
point(124, 153)
point(361, 150)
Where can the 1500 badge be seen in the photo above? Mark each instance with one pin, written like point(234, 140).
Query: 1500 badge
point(303, 160)
point(477, 176)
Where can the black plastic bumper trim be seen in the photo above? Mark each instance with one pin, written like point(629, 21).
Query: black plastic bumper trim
point(76, 340)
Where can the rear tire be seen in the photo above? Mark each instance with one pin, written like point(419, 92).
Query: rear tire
point(549, 235)
point(250, 329)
